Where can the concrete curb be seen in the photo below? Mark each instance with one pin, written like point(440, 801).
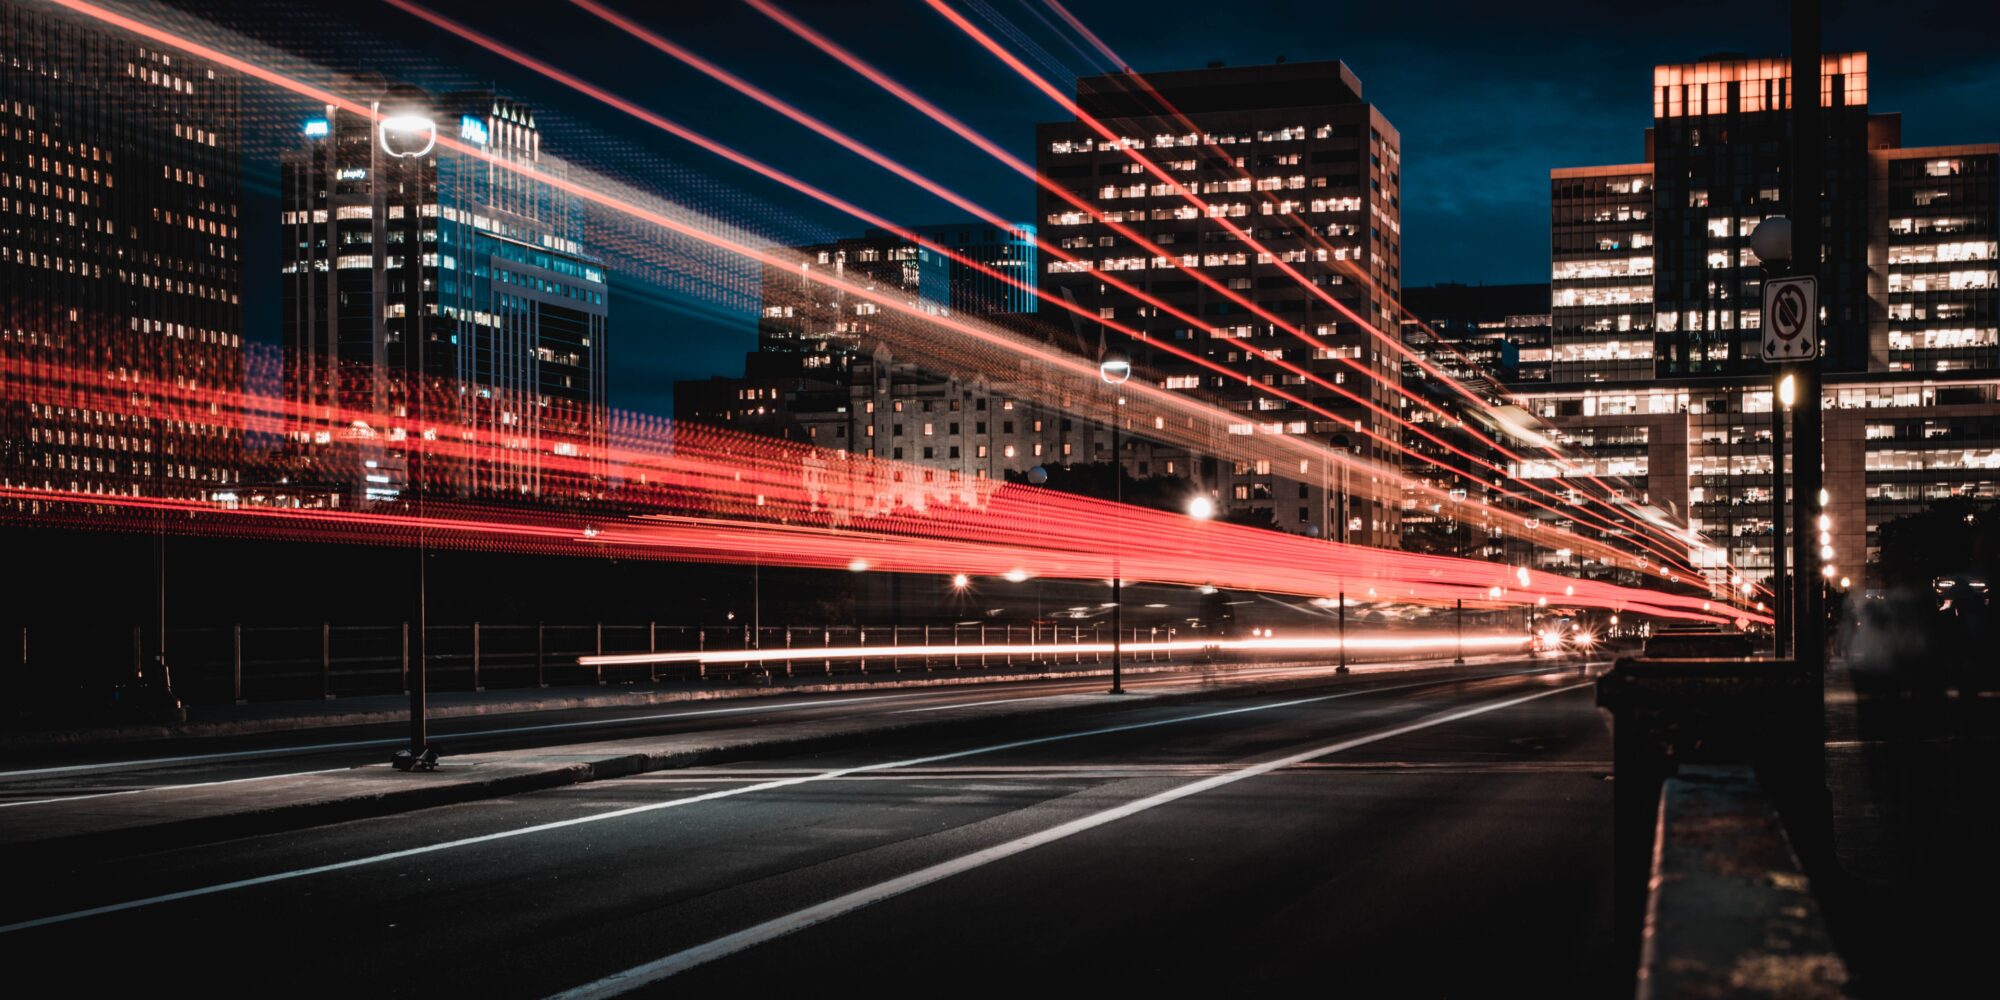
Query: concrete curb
point(405, 796)
point(63, 738)
point(1731, 912)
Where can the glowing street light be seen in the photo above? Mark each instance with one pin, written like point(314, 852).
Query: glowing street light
point(408, 135)
point(858, 566)
point(1014, 575)
point(960, 581)
point(1115, 368)
point(1201, 508)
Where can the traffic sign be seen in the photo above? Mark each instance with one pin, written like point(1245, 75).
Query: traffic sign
point(1791, 318)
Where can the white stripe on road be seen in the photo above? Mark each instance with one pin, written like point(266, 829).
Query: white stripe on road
point(397, 740)
point(638, 976)
point(979, 704)
point(169, 788)
point(210, 890)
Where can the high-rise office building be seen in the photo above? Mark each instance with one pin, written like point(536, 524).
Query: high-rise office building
point(1601, 288)
point(1294, 156)
point(810, 329)
point(119, 254)
point(1657, 377)
point(423, 283)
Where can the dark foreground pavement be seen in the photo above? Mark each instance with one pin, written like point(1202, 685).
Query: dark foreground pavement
point(1451, 839)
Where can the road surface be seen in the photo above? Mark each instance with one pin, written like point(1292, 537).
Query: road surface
point(1447, 839)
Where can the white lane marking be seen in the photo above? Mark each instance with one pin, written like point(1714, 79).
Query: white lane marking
point(977, 704)
point(168, 788)
point(210, 890)
point(651, 972)
point(392, 741)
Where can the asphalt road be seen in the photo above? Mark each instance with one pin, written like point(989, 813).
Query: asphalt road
point(49, 776)
point(1441, 840)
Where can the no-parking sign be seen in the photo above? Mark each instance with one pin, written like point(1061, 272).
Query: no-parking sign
point(1791, 318)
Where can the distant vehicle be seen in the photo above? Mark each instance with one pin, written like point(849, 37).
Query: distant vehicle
point(1960, 590)
point(1562, 634)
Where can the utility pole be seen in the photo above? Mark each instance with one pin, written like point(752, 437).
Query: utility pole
point(1808, 624)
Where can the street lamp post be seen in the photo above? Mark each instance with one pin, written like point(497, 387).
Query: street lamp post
point(1341, 441)
point(408, 135)
point(1781, 404)
point(1114, 369)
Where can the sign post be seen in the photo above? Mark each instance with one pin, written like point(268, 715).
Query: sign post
point(1791, 318)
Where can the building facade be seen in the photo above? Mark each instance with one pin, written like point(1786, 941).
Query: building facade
point(1290, 155)
point(1656, 308)
point(120, 255)
point(427, 284)
point(810, 329)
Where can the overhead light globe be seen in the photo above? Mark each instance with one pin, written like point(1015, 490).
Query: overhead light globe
point(1115, 368)
point(407, 135)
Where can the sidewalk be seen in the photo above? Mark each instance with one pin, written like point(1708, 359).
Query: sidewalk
point(162, 818)
point(1913, 770)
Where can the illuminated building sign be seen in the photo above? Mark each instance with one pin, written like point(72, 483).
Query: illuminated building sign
point(317, 127)
point(472, 129)
point(351, 173)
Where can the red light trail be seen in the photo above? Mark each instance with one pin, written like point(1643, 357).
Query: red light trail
point(1394, 343)
point(838, 519)
point(1665, 557)
point(1436, 587)
point(1646, 532)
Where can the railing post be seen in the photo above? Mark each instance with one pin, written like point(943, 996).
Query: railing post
point(954, 645)
point(982, 645)
point(476, 685)
point(788, 649)
point(1009, 643)
point(862, 642)
point(1076, 640)
point(600, 652)
point(138, 655)
point(541, 654)
point(927, 649)
point(700, 646)
point(826, 642)
point(235, 660)
point(653, 646)
point(406, 657)
point(326, 660)
point(1170, 644)
point(895, 640)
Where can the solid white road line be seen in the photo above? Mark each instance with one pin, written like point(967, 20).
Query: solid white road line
point(651, 972)
point(285, 876)
point(169, 788)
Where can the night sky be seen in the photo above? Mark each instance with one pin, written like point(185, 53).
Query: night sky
point(1488, 97)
